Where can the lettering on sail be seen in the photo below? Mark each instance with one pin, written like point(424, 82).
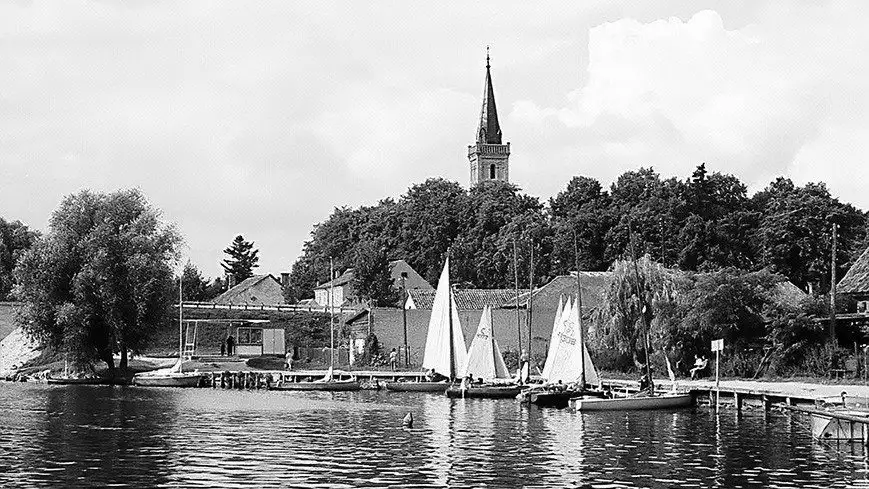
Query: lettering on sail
point(567, 334)
point(483, 334)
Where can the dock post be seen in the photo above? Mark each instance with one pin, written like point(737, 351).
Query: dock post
point(737, 399)
point(766, 402)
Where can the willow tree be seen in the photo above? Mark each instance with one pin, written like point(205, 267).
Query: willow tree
point(636, 289)
point(100, 281)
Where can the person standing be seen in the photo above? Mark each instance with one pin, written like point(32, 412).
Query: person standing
point(223, 347)
point(230, 345)
point(393, 359)
point(288, 363)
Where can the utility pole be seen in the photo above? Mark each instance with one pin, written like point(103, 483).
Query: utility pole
point(404, 318)
point(833, 289)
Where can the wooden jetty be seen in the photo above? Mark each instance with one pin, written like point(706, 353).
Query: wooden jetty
point(266, 379)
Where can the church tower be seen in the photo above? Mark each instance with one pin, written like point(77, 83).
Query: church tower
point(489, 158)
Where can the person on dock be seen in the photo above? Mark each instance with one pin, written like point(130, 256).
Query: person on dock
point(288, 362)
point(700, 364)
point(230, 345)
point(393, 359)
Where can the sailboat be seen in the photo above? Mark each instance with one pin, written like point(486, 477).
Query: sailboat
point(445, 350)
point(568, 368)
point(173, 376)
point(642, 401)
point(328, 382)
point(484, 361)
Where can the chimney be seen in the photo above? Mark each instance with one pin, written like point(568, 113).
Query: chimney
point(285, 279)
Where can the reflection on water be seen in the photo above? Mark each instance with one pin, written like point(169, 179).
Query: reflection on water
point(84, 436)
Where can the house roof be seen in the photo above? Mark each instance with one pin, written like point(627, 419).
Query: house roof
point(254, 290)
point(466, 299)
point(856, 281)
point(594, 285)
point(414, 280)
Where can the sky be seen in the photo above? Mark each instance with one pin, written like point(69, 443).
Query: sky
point(259, 118)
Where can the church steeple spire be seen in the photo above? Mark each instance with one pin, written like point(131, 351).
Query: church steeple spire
point(489, 157)
point(489, 131)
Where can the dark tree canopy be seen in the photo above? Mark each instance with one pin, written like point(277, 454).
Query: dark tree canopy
point(15, 240)
point(242, 259)
point(372, 280)
point(704, 223)
point(100, 281)
point(194, 287)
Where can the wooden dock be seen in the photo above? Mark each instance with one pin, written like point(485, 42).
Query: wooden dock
point(264, 379)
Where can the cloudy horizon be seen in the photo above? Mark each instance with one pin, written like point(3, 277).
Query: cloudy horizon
point(261, 120)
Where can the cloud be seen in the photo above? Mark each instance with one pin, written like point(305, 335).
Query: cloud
point(753, 101)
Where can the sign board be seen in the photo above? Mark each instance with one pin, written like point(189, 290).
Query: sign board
point(718, 345)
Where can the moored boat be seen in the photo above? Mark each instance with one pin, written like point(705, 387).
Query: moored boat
point(77, 381)
point(422, 386)
point(559, 399)
point(662, 401)
point(486, 391)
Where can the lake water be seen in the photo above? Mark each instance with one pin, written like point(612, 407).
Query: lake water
point(84, 436)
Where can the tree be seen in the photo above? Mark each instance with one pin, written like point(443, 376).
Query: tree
point(100, 281)
point(372, 279)
point(242, 259)
point(194, 287)
point(15, 240)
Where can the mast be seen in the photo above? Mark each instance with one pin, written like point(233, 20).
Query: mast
point(579, 310)
point(642, 312)
point(180, 319)
point(530, 302)
point(518, 317)
point(332, 312)
point(450, 315)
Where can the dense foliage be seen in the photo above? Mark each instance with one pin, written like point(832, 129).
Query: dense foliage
point(15, 240)
point(706, 222)
point(100, 281)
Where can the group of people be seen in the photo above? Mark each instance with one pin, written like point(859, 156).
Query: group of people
point(227, 346)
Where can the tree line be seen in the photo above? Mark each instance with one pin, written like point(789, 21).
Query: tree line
point(705, 222)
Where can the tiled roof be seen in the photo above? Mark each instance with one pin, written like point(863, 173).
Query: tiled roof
point(467, 299)
point(243, 293)
point(856, 281)
point(594, 285)
point(414, 280)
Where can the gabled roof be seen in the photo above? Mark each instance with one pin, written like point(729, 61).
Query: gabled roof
point(594, 285)
point(343, 279)
point(259, 289)
point(856, 281)
point(466, 299)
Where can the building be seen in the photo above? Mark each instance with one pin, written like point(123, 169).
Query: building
point(259, 289)
point(342, 286)
point(854, 286)
point(488, 157)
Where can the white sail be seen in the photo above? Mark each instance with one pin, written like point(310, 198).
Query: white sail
point(437, 344)
point(484, 356)
point(567, 366)
point(556, 328)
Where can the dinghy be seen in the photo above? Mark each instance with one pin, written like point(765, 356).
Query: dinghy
point(173, 376)
point(445, 350)
point(327, 383)
point(662, 401)
point(484, 361)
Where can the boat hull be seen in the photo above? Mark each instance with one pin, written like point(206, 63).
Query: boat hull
point(559, 400)
point(832, 428)
point(667, 401)
point(417, 386)
point(485, 392)
point(167, 381)
point(65, 381)
point(335, 386)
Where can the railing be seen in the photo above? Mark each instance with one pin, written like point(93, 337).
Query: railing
point(490, 149)
point(267, 307)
